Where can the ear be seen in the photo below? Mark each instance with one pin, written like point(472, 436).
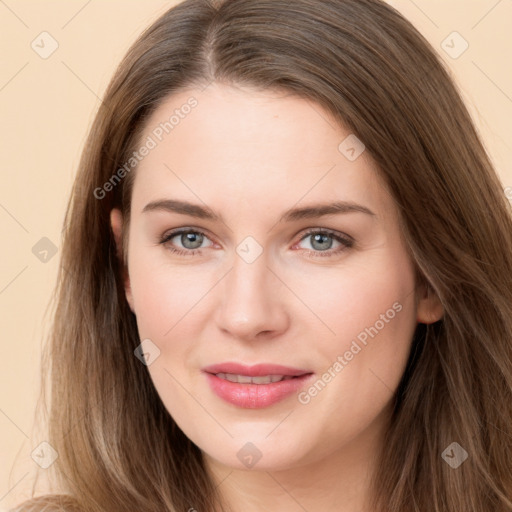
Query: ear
point(429, 308)
point(116, 222)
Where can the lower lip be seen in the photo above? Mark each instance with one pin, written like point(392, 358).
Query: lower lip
point(256, 396)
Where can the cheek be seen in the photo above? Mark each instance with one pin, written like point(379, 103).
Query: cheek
point(168, 301)
point(164, 295)
point(368, 317)
point(351, 298)
point(372, 314)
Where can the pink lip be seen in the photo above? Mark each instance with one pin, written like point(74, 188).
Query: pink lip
point(255, 396)
point(256, 370)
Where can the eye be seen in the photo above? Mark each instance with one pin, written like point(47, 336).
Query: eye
point(322, 242)
point(191, 240)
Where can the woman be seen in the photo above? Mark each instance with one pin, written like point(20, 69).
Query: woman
point(202, 357)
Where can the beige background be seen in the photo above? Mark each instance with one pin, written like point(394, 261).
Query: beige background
point(47, 106)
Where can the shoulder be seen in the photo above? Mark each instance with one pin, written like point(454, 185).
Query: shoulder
point(48, 503)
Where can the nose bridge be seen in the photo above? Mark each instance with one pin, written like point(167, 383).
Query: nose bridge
point(249, 276)
point(250, 300)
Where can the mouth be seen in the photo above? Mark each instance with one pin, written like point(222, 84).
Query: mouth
point(255, 387)
point(247, 379)
point(232, 370)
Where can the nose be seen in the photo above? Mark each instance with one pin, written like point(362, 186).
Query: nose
point(253, 301)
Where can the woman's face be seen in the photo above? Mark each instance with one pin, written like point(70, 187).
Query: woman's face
point(271, 272)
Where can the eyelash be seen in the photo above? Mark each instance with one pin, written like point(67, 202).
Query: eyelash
point(346, 241)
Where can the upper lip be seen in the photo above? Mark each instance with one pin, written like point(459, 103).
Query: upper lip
point(256, 370)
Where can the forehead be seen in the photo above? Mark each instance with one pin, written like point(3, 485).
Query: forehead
point(241, 146)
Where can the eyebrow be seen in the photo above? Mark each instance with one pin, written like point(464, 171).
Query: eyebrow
point(294, 214)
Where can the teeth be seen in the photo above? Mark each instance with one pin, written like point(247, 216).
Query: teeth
point(245, 379)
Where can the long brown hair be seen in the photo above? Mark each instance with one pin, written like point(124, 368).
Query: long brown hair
point(119, 449)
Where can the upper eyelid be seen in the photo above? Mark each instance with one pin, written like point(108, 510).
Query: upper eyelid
point(305, 233)
point(178, 231)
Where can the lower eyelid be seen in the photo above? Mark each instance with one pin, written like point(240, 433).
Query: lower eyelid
point(346, 242)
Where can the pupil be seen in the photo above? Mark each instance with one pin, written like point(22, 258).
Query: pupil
point(191, 238)
point(318, 237)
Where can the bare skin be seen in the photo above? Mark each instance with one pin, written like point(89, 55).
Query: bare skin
point(250, 156)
